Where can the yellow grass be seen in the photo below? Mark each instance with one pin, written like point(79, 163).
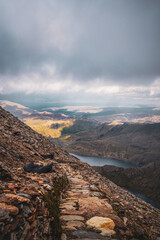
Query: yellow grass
point(115, 123)
point(44, 126)
point(65, 137)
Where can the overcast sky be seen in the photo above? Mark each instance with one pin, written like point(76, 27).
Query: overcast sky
point(96, 48)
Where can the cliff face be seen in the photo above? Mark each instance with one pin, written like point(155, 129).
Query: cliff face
point(71, 202)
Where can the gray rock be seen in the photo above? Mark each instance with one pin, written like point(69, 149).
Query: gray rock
point(5, 174)
point(63, 236)
point(24, 195)
point(4, 214)
point(27, 211)
point(88, 234)
point(72, 218)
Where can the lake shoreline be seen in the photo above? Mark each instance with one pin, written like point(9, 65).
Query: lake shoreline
point(93, 160)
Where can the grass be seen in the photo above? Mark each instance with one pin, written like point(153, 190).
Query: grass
point(44, 127)
point(65, 137)
point(52, 199)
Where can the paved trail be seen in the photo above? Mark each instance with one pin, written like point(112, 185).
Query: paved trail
point(85, 214)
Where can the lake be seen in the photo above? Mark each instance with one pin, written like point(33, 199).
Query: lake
point(98, 161)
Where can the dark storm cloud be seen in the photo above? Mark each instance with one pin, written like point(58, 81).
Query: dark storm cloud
point(120, 40)
point(117, 40)
point(23, 46)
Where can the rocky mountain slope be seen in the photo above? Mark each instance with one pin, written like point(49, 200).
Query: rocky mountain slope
point(70, 202)
point(145, 180)
point(136, 143)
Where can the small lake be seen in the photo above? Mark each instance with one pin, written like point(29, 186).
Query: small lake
point(98, 161)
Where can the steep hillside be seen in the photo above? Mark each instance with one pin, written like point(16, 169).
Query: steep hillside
point(145, 180)
point(136, 143)
point(79, 126)
point(68, 201)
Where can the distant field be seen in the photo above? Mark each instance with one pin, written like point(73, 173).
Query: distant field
point(45, 127)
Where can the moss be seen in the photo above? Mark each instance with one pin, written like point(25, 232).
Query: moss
point(52, 199)
point(144, 236)
point(53, 208)
point(156, 214)
point(59, 184)
point(114, 208)
point(128, 213)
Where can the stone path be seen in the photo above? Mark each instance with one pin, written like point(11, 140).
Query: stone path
point(85, 214)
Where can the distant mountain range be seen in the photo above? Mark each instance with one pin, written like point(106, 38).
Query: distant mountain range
point(23, 112)
point(134, 114)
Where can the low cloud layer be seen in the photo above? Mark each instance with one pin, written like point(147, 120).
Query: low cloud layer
point(100, 47)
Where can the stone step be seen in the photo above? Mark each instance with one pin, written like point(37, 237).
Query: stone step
point(84, 212)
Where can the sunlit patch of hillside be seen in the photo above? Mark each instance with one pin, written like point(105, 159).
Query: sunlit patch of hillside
point(151, 119)
point(5, 103)
point(65, 137)
point(45, 128)
point(115, 123)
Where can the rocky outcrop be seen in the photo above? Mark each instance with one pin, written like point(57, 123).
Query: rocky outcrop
point(72, 202)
